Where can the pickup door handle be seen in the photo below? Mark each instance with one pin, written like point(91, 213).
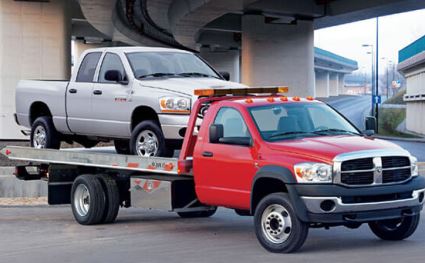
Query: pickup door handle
point(72, 91)
point(207, 154)
point(97, 92)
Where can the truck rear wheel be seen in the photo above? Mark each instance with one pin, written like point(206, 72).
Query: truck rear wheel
point(87, 200)
point(148, 140)
point(206, 213)
point(395, 229)
point(44, 134)
point(112, 198)
point(277, 227)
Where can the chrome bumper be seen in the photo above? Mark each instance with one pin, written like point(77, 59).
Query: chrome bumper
point(313, 204)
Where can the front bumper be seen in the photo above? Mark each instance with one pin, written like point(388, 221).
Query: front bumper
point(362, 204)
point(173, 125)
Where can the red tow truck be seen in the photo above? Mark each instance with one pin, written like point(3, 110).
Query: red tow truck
point(292, 163)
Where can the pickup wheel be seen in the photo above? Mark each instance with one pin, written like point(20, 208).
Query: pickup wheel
point(277, 227)
point(88, 200)
point(395, 229)
point(112, 198)
point(206, 213)
point(122, 146)
point(148, 140)
point(44, 134)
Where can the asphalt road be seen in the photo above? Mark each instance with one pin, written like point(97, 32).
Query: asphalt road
point(49, 234)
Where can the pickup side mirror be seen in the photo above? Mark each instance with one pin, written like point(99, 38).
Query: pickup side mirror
point(216, 132)
point(115, 76)
point(370, 125)
point(225, 75)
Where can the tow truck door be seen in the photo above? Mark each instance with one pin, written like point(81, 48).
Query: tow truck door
point(226, 169)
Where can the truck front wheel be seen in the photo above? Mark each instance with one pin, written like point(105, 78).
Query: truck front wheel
point(395, 229)
point(277, 227)
point(148, 140)
point(88, 200)
point(44, 134)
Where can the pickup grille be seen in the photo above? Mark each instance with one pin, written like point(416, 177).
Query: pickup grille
point(364, 171)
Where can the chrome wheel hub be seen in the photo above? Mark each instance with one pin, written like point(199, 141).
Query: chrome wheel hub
point(147, 144)
point(39, 137)
point(82, 200)
point(276, 223)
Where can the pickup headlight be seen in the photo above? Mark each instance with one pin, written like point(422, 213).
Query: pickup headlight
point(174, 104)
point(414, 166)
point(313, 173)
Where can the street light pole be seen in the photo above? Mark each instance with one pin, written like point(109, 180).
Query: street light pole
point(377, 74)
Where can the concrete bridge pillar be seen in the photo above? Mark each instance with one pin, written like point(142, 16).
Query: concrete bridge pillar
point(341, 88)
point(228, 61)
point(276, 54)
point(35, 42)
point(322, 83)
point(333, 84)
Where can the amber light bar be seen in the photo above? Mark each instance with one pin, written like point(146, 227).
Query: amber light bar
point(240, 92)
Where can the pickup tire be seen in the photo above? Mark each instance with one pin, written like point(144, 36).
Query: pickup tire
point(277, 226)
point(207, 213)
point(148, 140)
point(112, 198)
point(44, 134)
point(87, 200)
point(395, 229)
point(122, 146)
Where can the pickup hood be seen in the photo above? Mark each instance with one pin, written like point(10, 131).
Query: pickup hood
point(325, 148)
point(186, 86)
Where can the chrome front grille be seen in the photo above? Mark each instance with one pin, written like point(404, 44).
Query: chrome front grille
point(372, 170)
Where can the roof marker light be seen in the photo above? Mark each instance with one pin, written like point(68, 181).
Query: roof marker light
point(270, 99)
point(249, 100)
point(296, 99)
point(284, 98)
point(310, 98)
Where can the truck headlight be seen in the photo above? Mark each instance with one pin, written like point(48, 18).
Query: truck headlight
point(174, 105)
point(414, 166)
point(313, 173)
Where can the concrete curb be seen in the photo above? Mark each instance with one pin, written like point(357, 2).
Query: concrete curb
point(421, 140)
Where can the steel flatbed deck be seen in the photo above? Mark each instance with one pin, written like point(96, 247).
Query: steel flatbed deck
point(152, 165)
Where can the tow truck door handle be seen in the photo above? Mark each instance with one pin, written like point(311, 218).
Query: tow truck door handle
point(97, 92)
point(72, 91)
point(207, 154)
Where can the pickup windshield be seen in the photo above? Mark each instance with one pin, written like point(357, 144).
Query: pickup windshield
point(168, 64)
point(299, 120)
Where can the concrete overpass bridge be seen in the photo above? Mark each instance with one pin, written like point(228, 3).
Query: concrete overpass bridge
point(261, 42)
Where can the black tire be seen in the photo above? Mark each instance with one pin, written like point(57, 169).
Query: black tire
point(243, 212)
point(151, 127)
point(96, 201)
point(52, 138)
point(207, 213)
point(122, 146)
point(395, 229)
point(112, 198)
point(283, 232)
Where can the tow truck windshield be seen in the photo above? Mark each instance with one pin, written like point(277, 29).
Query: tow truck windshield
point(298, 120)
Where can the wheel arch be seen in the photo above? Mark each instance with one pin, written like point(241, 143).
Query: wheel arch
point(272, 179)
point(38, 109)
point(142, 113)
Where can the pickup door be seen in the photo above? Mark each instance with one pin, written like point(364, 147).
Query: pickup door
point(79, 95)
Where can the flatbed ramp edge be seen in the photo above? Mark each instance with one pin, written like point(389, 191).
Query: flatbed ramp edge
point(157, 165)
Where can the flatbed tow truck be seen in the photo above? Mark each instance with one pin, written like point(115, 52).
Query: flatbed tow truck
point(292, 163)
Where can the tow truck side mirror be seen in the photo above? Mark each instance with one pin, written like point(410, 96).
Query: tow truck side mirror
point(225, 75)
point(216, 132)
point(370, 125)
point(115, 76)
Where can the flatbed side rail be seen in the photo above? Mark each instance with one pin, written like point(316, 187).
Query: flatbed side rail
point(92, 159)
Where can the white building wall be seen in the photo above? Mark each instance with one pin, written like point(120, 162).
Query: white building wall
point(415, 111)
point(333, 84)
point(34, 44)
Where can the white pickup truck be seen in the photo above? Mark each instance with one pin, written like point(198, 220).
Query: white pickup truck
point(139, 97)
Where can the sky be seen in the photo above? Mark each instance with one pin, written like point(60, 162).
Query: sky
point(395, 32)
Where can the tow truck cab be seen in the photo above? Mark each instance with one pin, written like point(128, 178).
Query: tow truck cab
point(255, 154)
